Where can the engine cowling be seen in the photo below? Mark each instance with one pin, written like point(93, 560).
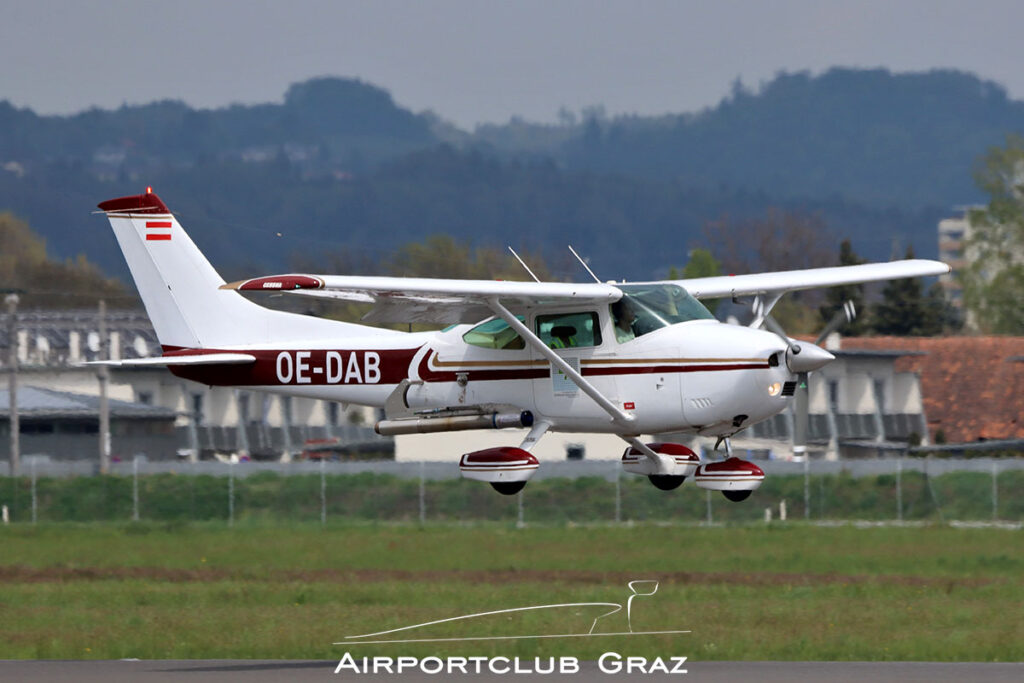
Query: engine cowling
point(731, 474)
point(678, 460)
point(499, 465)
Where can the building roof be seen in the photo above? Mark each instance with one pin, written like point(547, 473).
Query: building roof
point(38, 403)
point(45, 337)
point(970, 385)
point(874, 353)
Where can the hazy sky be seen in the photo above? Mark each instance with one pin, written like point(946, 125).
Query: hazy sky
point(476, 61)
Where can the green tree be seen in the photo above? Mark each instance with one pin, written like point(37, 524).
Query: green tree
point(941, 311)
point(994, 280)
point(25, 265)
point(905, 310)
point(437, 256)
point(444, 256)
point(702, 263)
point(835, 297)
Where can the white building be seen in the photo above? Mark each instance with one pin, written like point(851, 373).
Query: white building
point(53, 344)
point(858, 405)
point(953, 234)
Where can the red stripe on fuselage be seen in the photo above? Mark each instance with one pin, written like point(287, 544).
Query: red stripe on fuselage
point(158, 224)
point(158, 237)
point(428, 374)
point(330, 367)
point(313, 367)
point(668, 369)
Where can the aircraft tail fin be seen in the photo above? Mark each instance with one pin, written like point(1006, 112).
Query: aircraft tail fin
point(181, 290)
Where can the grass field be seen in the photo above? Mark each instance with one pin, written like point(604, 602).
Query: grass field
point(756, 592)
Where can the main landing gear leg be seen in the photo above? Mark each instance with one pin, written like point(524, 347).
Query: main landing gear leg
point(664, 482)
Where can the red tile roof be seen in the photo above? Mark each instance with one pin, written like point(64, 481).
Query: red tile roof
point(973, 387)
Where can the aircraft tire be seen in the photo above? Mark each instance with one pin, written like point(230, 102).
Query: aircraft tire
point(508, 488)
point(666, 482)
point(737, 496)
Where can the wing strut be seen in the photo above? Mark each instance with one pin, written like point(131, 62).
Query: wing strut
point(618, 416)
point(763, 307)
point(540, 427)
point(662, 462)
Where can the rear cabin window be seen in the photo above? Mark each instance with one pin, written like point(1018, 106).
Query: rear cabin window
point(569, 330)
point(494, 334)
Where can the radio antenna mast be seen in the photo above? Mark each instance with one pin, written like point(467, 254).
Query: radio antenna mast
point(523, 264)
point(584, 264)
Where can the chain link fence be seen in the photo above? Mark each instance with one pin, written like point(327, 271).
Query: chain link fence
point(891, 489)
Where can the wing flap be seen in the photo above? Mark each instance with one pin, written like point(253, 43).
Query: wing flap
point(400, 299)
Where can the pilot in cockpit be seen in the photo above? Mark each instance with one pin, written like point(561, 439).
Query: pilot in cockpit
point(623, 315)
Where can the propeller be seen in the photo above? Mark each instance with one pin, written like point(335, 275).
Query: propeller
point(846, 313)
point(801, 358)
point(843, 316)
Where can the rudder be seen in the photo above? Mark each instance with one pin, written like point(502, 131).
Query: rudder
point(181, 290)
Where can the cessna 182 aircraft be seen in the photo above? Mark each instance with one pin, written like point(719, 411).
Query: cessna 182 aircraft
point(620, 358)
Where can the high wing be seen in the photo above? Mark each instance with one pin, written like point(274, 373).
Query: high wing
point(399, 299)
point(812, 278)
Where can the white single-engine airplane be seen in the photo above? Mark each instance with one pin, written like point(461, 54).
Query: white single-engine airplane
point(626, 359)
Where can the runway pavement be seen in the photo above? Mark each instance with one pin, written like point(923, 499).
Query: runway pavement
point(258, 671)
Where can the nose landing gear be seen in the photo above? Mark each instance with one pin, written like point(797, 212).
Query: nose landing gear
point(735, 478)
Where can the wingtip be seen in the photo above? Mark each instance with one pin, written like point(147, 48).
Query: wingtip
point(233, 285)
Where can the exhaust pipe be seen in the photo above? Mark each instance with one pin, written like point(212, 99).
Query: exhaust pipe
point(453, 423)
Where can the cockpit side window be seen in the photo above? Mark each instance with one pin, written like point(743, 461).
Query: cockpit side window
point(494, 334)
point(569, 330)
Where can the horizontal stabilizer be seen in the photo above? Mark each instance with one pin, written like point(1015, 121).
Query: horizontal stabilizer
point(193, 359)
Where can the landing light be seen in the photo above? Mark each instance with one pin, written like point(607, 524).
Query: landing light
point(775, 389)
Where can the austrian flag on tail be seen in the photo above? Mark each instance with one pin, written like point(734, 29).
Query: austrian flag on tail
point(158, 231)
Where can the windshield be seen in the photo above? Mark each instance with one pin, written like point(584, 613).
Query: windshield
point(655, 306)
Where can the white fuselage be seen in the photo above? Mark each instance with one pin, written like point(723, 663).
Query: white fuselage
point(698, 376)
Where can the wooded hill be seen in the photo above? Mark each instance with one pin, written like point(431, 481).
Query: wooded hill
point(339, 167)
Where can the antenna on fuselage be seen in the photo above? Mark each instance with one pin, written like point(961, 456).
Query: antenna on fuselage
point(523, 264)
point(584, 264)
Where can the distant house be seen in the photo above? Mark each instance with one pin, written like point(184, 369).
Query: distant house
point(858, 405)
point(973, 387)
point(65, 426)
